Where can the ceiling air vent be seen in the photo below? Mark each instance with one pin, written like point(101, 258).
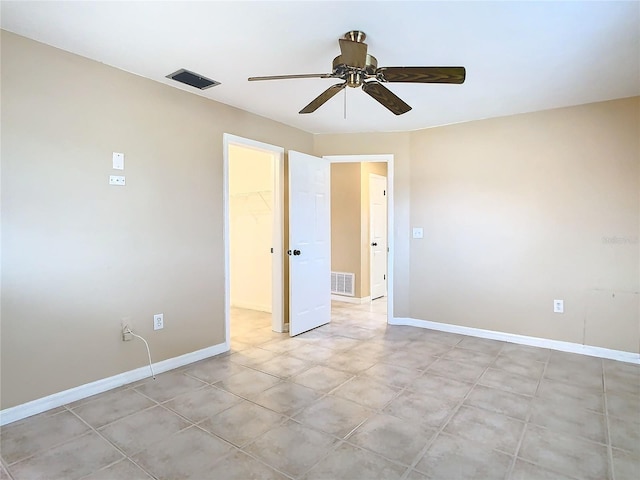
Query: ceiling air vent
point(192, 79)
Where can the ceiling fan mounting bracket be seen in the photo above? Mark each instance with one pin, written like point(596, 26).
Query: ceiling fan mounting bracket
point(355, 36)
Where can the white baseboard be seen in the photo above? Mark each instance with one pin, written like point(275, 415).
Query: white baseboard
point(342, 298)
point(65, 397)
point(559, 345)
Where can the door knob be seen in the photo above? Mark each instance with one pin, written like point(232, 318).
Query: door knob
point(374, 244)
point(296, 252)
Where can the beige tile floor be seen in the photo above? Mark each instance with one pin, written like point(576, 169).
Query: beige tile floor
point(355, 399)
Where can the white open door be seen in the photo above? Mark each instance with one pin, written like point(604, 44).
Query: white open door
point(378, 235)
point(309, 242)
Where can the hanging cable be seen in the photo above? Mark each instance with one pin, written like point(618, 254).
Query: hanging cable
point(128, 330)
point(345, 103)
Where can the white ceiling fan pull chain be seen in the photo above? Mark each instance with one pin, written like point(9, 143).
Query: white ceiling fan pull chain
point(345, 103)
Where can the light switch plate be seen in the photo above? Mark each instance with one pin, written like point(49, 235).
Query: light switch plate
point(116, 180)
point(118, 161)
point(418, 232)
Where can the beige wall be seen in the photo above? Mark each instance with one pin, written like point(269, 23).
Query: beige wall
point(79, 255)
point(350, 220)
point(517, 212)
point(250, 227)
point(345, 221)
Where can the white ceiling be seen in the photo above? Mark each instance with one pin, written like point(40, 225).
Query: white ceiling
point(520, 56)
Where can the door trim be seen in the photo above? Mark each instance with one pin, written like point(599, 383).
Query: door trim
point(277, 287)
point(388, 158)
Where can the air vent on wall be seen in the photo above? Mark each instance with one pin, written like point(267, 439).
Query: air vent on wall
point(192, 79)
point(342, 283)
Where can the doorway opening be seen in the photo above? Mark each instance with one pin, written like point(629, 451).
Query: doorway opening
point(361, 244)
point(253, 209)
point(304, 299)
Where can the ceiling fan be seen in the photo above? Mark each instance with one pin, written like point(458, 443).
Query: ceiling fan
point(359, 69)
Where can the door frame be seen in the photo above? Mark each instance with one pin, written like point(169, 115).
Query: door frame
point(388, 158)
point(277, 262)
point(386, 283)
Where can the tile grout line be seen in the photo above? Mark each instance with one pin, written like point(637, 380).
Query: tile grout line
point(345, 438)
point(287, 379)
point(55, 445)
point(113, 445)
point(527, 419)
point(259, 460)
point(290, 418)
point(286, 418)
point(380, 411)
point(454, 411)
point(110, 465)
point(339, 440)
point(328, 453)
point(236, 448)
point(402, 390)
point(546, 428)
point(6, 468)
point(607, 424)
point(157, 404)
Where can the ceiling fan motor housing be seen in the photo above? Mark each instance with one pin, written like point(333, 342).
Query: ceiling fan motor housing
point(354, 76)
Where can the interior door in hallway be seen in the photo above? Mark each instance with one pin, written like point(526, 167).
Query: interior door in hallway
point(309, 242)
point(378, 235)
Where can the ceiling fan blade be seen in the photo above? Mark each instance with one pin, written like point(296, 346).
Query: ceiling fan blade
point(354, 54)
point(323, 97)
point(386, 97)
point(285, 77)
point(422, 74)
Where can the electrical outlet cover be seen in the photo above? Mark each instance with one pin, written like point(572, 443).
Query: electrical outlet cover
point(158, 321)
point(558, 306)
point(125, 324)
point(117, 180)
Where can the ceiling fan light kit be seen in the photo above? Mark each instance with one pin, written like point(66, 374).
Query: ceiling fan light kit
point(357, 68)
